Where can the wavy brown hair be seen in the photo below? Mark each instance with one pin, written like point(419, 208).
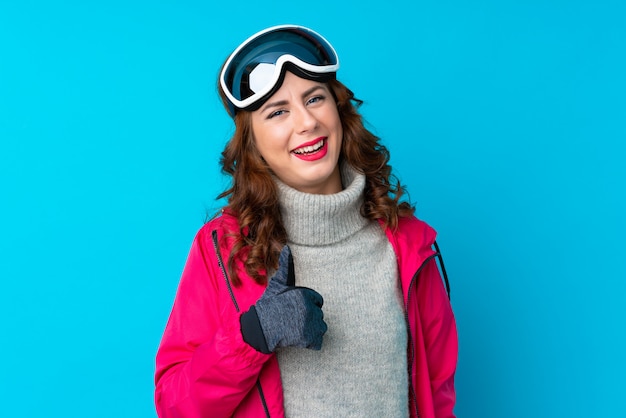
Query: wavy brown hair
point(253, 195)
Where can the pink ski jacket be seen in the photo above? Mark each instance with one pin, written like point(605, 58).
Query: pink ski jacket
point(205, 369)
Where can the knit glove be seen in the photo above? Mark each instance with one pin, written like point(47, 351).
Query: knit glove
point(286, 315)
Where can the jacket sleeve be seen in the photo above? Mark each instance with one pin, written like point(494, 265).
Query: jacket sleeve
point(440, 339)
point(203, 366)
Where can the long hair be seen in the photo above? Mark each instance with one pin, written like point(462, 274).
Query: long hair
point(253, 195)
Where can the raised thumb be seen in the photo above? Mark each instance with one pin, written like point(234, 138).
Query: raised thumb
point(285, 274)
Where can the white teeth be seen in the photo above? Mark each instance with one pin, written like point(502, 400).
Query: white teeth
point(310, 148)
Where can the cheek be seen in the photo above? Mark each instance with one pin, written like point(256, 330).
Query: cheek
point(273, 140)
point(260, 140)
point(339, 129)
point(258, 145)
point(264, 147)
point(335, 120)
point(258, 131)
point(268, 150)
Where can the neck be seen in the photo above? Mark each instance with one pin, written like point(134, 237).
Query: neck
point(331, 185)
point(321, 219)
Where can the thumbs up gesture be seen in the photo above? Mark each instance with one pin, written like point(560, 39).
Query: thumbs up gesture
point(286, 315)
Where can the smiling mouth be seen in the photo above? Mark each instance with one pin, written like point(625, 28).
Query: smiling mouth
point(311, 149)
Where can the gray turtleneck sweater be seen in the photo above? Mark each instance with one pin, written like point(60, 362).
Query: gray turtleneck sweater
point(361, 369)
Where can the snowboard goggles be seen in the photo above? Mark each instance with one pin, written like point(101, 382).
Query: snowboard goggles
point(256, 69)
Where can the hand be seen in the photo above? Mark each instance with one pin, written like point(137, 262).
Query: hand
point(286, 315)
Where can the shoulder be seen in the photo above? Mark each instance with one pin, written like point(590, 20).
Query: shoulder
point(412, 234)
point(218, 231)
point(223, 224)
point(416, 227)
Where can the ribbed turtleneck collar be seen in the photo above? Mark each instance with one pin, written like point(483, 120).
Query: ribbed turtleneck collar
point(315, 219)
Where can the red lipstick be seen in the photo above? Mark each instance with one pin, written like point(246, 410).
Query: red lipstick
point(312, 150)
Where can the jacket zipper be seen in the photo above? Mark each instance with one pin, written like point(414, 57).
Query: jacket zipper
point(260, 389)
point(408, 325)
point(222, 266)
point(220, 262)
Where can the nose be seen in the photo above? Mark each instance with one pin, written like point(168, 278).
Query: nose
point(305, 120)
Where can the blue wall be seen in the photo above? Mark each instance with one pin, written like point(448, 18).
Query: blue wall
point(506, 119)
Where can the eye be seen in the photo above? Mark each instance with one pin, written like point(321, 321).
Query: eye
point(315, 99)
point(276, 113)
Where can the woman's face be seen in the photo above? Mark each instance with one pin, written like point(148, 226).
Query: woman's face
point(298, 132)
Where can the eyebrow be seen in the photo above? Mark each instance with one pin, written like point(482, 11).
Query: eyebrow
point(285, 102)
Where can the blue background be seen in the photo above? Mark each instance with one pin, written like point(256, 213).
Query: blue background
point(504, 118)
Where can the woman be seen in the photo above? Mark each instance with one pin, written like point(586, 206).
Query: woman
point(316, 292)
